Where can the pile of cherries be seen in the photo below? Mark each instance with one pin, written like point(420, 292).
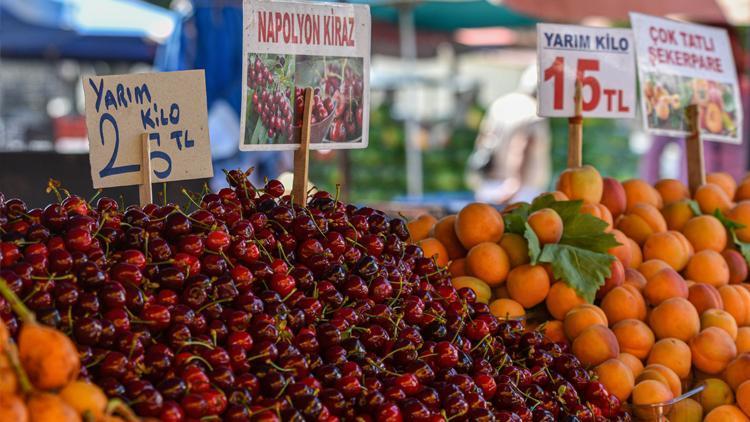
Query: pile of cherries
point(321, 108)
point(269, 100)
point(251, 308)
point(347, 125)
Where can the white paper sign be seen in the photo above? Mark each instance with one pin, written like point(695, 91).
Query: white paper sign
point(289, 46)
point(602, 58)
point(169, 107)
point(681, 64)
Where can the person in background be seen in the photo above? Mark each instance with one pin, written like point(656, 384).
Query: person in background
point(210, 37)
point(511, 157)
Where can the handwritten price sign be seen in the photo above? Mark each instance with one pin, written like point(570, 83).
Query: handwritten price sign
point(169, 107)
point(601, 58)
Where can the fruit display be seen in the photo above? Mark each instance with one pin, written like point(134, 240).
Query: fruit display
point(243, 306)
point(38, 376)
point(664, 304)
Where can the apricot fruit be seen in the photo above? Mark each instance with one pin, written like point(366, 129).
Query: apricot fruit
point(708, 266)
point(584, 183)
point(617, 377)
point(641, 221)
point(480, 288)
point(516, 247)
point(624, 302)
point(663, 374)
point(712, 350)
point(506, 309)
point(639, 192)
point(674, 354)
point(665, 284)
point(738, 371)
point(675, 317)
point(477, 223)
point(705, 232)
point(635, 364)
point(650, 267)
point(715, 393)
point(547, 225)
point(420, 227)
point(634, 337)
point(488, 262)
point(704, 297)
point(561, 299)
point(726, 413)
point(457, 267)
point(677, 214)
point(554, 331)
point(737, 266)
point(721, 319)
point(635, 279)
point(672, 190)
point(711, 197)
point(651, 392)
point(582, 317)
point(741, 214)
point(743, 340)
point(621, 251)
point(432, 248)
point(736, 300)
point(613, 196)
point(669, 246)
point(444, 231)
point(599, 211)
point(724, 180)
point(595, 344)
point(528, 285)
point(616, 278)
point(743, 397)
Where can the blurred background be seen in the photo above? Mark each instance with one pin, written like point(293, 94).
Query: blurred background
point(453, 107)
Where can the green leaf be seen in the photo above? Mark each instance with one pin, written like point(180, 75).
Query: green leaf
point(515, 220)
point(694, 207)
point(583, 270)
point(535, 248)
point(588, 232)
point(568, 210)
point(542, 201)
point(730, 225)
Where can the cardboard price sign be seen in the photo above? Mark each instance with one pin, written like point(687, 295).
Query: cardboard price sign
point(291, 46)
point(601, 58)
point(168, 109)
point(682, 64)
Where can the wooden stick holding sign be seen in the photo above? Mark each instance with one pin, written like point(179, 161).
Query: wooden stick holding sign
point(694, 149)
point(145, 193)
point(575, 130)
point(302, 155)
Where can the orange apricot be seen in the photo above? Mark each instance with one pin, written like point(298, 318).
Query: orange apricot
point(743, 397)
point(634, 337)
point(675, 317)
point(651, 392)
point(622, 251)
point(741, 214)
point(634, 278)
point(457, 267)
point(419, 228)
point(641, 221)
point(669, 246)
point(650, 267)
point(711, 197)
point(635, 364)
point(665, 284)
point(715, 393)
point(432, 248)
point(664, 374)
point(516, 247)
point(704, 297)
point(639, 192)
point(477, 223)
point(743, 191)
point(488, 262)
point(708, 266)
point(721, 319)
point(616, 278)
point(737, 266)
point(636, 256)
point(584, 183)
point(506, 309)
point(671, 190)
point(724, 180)
point(617, 377)
point(547, 225)
point(613, 196)
point(595, 344)
point(712, 350)
point(599, 211)
point(528, 285)
point(738, 371)
point(677, 214)
point(726, 413)
point(705, 232)
point(582, 317)
point(480, 288)
point(736, 301)
point(561, 299)
point(554, 331)
point(743, 340)
point(624, 302)
point(674, 354)
point(444, 231)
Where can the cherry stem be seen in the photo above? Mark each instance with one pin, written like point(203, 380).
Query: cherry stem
point(199, 358)
point(122, 409)
point(15, 303)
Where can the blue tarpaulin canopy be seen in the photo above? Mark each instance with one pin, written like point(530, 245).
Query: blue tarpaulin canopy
point(83, 29)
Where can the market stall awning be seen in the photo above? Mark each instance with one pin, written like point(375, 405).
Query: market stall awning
point(448, 15)
point(83, 29)
point(574, 11)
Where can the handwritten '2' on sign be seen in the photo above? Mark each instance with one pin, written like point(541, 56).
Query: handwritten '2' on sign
point(152, 118)
point(583, 42)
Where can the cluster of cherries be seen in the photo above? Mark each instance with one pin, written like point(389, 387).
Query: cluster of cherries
point(269, 100)
point(321, 108)
point(252, 308)
point(347, 125)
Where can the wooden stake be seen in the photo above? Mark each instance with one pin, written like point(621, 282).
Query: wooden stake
point(694, 149)
point(575, 131)
point(145, 193)
point(302, 155)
